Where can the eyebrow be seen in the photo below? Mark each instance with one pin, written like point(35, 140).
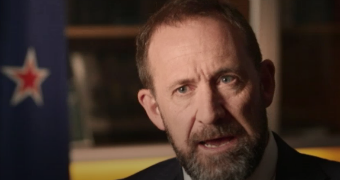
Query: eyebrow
point(217, 74)
point(225, 71)
point(180, 82)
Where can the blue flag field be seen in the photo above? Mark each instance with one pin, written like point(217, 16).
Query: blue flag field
point(34, 131)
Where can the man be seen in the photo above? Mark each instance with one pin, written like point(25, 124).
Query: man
point(207, 87)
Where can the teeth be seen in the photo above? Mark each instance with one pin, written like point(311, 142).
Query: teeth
point(215, 146)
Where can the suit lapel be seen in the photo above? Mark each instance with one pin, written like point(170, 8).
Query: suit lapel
point(173, 171)
point(292, 165)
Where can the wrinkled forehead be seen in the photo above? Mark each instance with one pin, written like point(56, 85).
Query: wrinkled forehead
point(185, 23)
point(170, 41)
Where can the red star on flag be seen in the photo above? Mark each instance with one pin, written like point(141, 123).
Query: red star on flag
point(28, 79)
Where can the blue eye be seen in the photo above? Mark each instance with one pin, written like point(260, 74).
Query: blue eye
point(227, 79)
point(182, 89)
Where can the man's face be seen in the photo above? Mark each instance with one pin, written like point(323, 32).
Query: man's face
point(208, 98)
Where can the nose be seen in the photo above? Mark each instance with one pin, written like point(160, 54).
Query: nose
point(210, 106)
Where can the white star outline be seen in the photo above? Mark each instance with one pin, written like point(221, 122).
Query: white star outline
point(42, 73)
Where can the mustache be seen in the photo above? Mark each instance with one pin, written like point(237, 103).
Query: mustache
point(214, 131)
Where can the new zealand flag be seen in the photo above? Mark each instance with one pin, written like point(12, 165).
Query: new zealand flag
point(33, 89)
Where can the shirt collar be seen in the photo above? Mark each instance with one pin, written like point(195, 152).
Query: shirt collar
point(266, 169)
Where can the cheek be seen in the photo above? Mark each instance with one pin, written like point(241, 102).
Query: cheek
point(179, 120)
point(244, 107)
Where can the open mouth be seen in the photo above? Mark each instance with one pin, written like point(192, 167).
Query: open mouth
point(217, 142)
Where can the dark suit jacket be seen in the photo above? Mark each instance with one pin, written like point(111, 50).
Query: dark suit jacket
point(291, 165)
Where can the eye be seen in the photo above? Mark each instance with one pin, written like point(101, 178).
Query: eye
point(227, 79)
point(182, 89)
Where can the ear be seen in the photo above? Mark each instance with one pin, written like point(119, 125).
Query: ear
point(148, 101)
point(267, 78)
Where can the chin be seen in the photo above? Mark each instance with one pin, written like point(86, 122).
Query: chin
point(234, 160)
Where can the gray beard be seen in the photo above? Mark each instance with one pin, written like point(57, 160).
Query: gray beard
point(236, 164)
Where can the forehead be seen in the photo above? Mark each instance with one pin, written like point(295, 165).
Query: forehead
point(200, 42)
point(199, 32)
